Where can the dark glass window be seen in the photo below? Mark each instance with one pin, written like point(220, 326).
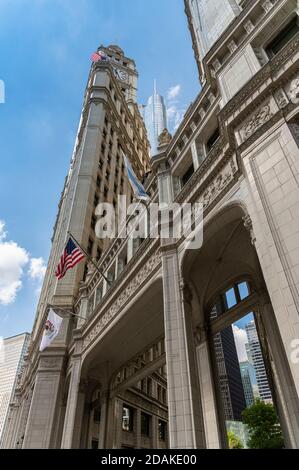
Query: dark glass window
point(188, 174)
point(283, 37)
point(127, 418)
point(213, 139)
point(97, 416)
point(94, 444)
point(145, 424)
point(162, 430)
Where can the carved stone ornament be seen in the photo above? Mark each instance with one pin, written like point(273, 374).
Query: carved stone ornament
point(218, 184)
point(267, 5)
point(248, 225)
point(164, 138)
point(281, 98)
point(248, 26)
point(294, 91)
point(50, 363)
point(186, 294)
point(256, 120)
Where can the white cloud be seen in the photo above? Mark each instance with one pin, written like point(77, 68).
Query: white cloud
point(37, 268)
point(175, 112)
point(173, 92)
point(240, 340)
point(13, 258)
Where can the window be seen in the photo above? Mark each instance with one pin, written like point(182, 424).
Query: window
point(230, 298)
point(282, 38)
point(213, 139)
point(162, 429)
point(188, 174)
point(127, 419)
point(97, 416)
point(149, 387)
point(145, 424)
point(94, 444)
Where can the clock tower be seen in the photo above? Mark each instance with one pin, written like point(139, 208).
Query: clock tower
point(124, 71)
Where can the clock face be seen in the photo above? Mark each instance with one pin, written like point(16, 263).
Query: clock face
point(121, 75)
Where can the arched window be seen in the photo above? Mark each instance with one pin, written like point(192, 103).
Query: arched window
point(240, 364)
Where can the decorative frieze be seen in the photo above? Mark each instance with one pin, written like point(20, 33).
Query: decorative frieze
point(216, 186)
point(256, 120)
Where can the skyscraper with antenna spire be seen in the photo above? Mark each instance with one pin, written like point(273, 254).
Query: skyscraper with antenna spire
point(155, 118)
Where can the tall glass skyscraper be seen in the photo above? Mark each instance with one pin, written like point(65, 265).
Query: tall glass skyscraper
point(258, 362)
point(155, 118)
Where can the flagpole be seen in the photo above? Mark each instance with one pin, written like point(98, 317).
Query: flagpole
point(90, 258)
point(56, 307)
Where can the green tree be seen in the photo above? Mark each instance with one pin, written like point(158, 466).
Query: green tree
point(233, 441)
point(263, 426)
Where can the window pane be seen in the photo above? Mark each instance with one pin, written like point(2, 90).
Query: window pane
point(127, 419)
point(243, 290)
point(145, 424)
point(162, 430)
point(231, 298)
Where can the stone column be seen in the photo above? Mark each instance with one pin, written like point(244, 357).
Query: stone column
point(195, 156)
point(118, 423)
point(44, 403)
point(284, 387)
point(104, 415)
point(83, 305)
point(186, 429)
point(154, 432)
point(74, 408)
point(137, 426)
point(208, 398)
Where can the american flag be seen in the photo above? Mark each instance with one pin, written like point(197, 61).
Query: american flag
point(71, 256)
point(97, 56)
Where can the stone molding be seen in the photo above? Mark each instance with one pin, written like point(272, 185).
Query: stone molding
point(130, 291)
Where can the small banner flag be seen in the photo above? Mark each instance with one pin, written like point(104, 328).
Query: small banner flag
point(71, 256)
point(137, 187)
point(52, 327)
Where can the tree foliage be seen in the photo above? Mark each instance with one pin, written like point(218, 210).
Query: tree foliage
point(263, 426)
point(233, 441)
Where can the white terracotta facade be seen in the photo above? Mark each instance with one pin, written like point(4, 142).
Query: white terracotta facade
point(154, 314)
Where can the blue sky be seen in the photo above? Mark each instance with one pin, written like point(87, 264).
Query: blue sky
point(45, 48)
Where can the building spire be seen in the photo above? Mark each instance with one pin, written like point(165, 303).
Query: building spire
point(155, 86)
